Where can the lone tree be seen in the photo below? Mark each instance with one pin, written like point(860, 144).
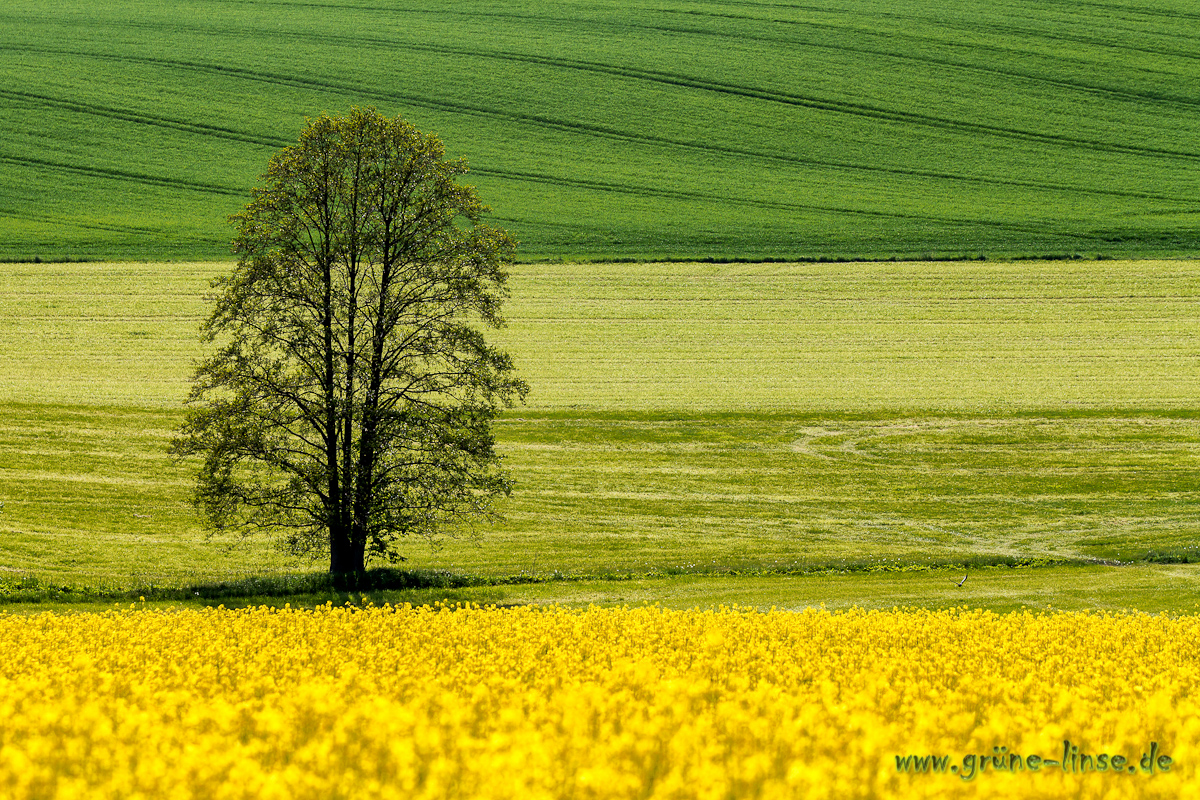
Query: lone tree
point(350, 400)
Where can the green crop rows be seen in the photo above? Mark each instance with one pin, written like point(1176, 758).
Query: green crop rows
point(624, 130)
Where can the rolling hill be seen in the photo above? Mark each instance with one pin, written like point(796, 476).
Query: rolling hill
point(673, 129)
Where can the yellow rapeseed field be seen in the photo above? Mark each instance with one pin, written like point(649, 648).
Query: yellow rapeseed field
point(600, 703)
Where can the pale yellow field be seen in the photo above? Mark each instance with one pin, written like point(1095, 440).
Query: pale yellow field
point(958, 336)
point(616, 703)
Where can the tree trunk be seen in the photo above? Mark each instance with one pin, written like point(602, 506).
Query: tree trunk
point(345, 554)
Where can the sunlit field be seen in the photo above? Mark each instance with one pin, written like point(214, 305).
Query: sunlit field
point(833, 339)
point(666, 130)
point(688, 421)
point(862, 452)
point(436, 702)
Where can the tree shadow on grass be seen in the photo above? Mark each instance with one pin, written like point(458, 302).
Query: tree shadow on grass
point(382, 585)
point(386, 585)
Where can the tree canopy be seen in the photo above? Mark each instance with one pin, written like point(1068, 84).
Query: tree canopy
point(351, 396)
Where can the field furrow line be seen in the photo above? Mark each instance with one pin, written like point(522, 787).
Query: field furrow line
point(571, 126)
point(650, 191)
point(1125, 8)
point(112, 174)
point(1057, 38)
point(862, 110)
point(1116, 93)
point(59, 221)
point(1123, 93)
point(941, 21)
point(891, 115)
point(817, 103)
point(137, 117)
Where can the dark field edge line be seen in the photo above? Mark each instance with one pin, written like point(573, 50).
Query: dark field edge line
point(894, 256)
point(50, 260)
point(309, 4)
point(119, 175)
point(580, 128)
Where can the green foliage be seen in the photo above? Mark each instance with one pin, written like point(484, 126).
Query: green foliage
point(624, 130)
point(350, 401)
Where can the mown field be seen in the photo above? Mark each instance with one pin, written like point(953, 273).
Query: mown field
point(778, 434)
point(634, 130)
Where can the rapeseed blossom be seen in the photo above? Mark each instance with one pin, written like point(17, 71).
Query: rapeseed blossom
point(469, 702)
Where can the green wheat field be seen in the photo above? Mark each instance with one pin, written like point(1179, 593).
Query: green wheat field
point(819, 303)
point(681, 129)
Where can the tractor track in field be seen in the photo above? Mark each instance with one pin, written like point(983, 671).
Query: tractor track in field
point(1124, 94)
point(814, 102)
point(864, 110)
point(648, 191)
point(92, 171)
point(880, 113)
point(140, 118)
point(1124, 8)
point(59, 222)
point(570, 126)
point(975, 27)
